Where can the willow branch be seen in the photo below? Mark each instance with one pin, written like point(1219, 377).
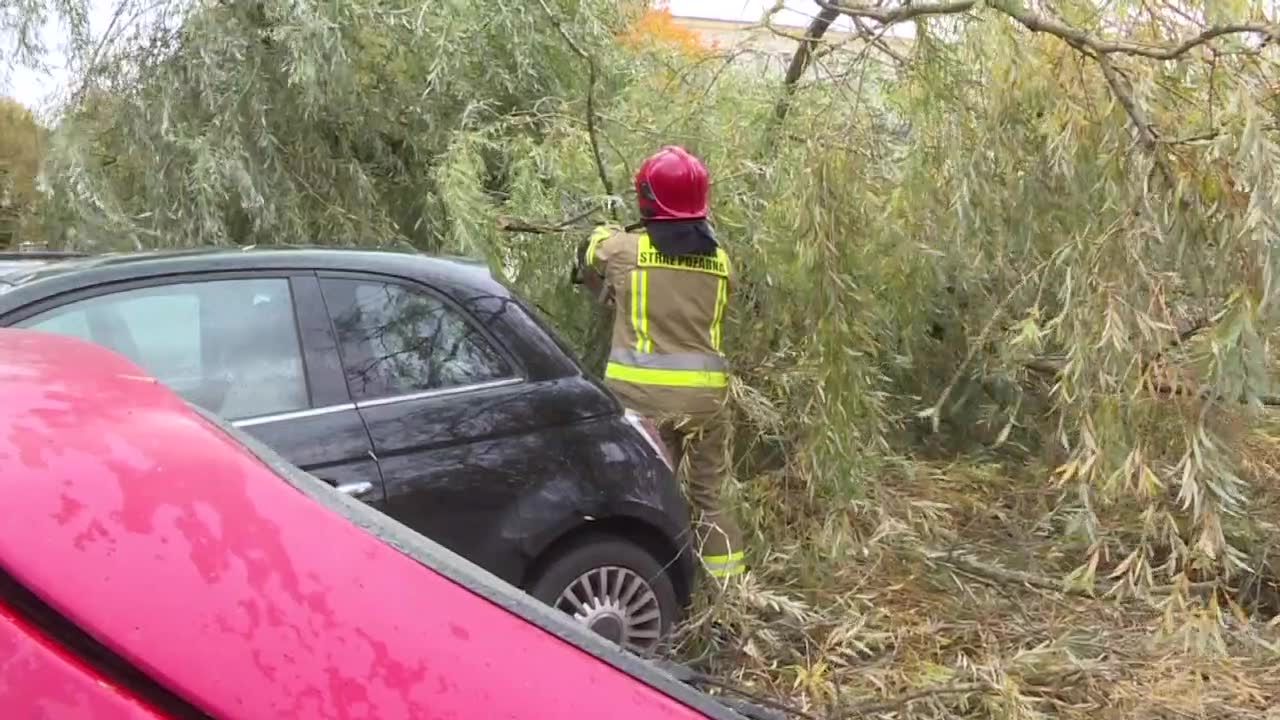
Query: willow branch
point(1039, 23)
point(1182, 338)
point(878, 41)
point(1083, 40)
point(591, 107)
point(1006, 576)
point(803, 55)
point(1142, 124)
point(1052, 369)
point(890, 16)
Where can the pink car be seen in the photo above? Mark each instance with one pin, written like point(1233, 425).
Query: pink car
point(156, 563)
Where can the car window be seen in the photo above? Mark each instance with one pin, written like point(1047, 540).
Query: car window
point(165, 329)
point(398, 341)
point(74, 323)
point(229, 346)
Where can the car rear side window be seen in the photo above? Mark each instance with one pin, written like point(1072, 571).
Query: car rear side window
point(229, 346)
point(398, 341)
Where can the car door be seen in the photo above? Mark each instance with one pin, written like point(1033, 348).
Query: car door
point(248, 347)
point(448, 408)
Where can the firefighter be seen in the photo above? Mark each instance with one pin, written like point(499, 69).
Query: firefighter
point(667, 279)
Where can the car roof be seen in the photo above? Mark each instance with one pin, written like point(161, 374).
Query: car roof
point(193, 556)
point(66, 270)
point(15, 263)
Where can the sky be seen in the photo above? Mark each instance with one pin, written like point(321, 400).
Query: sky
point(38, 89)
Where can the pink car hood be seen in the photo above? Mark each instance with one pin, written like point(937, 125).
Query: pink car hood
point(164, 538)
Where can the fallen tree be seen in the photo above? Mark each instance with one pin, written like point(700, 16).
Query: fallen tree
point(1011, 279)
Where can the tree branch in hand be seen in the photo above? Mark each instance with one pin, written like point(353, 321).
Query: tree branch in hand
point(509, 224)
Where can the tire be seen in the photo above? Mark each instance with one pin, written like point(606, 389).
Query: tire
point(636, 605)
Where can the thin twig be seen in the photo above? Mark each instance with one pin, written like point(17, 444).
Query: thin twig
point(878, 40)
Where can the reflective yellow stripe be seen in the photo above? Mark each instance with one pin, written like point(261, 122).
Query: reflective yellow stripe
point(600, 235)
point(640, 310)
point(670, 378)
point(646, 342)
point(717, 322)
point(635, 309)
point(731, 558)
point(723, 566)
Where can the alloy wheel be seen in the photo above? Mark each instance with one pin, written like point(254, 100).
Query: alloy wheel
point(616, 603)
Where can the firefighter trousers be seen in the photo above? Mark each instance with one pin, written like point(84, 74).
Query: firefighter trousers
point(695, 427)
point(699, 445)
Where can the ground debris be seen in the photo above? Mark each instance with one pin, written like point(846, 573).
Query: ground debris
point(944, 621)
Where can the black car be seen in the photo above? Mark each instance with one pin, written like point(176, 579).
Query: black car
point(421, 386)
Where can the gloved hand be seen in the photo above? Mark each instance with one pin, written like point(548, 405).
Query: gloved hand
point(580, 261)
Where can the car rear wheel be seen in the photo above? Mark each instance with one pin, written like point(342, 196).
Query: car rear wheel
point(612, 586)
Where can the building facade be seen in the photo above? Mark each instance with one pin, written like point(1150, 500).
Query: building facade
point(771, 48)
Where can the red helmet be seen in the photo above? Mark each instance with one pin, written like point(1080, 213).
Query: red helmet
point(672, 185)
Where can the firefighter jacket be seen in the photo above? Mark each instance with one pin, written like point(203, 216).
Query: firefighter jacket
point(666, 350)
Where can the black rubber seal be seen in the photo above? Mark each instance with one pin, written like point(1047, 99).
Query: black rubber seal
point(71, 637)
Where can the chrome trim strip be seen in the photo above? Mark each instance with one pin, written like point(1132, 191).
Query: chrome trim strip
point(328, 409)
point(296, 415)
point(442, 392)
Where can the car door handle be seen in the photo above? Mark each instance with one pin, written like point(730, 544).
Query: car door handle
point(355, 489)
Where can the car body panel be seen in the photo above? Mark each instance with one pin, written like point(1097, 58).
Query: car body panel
point(500, 474)
point(346, 458)
point(41, 679)
point(163, 537)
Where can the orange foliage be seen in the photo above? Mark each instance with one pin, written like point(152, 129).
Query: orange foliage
point(657, 28)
